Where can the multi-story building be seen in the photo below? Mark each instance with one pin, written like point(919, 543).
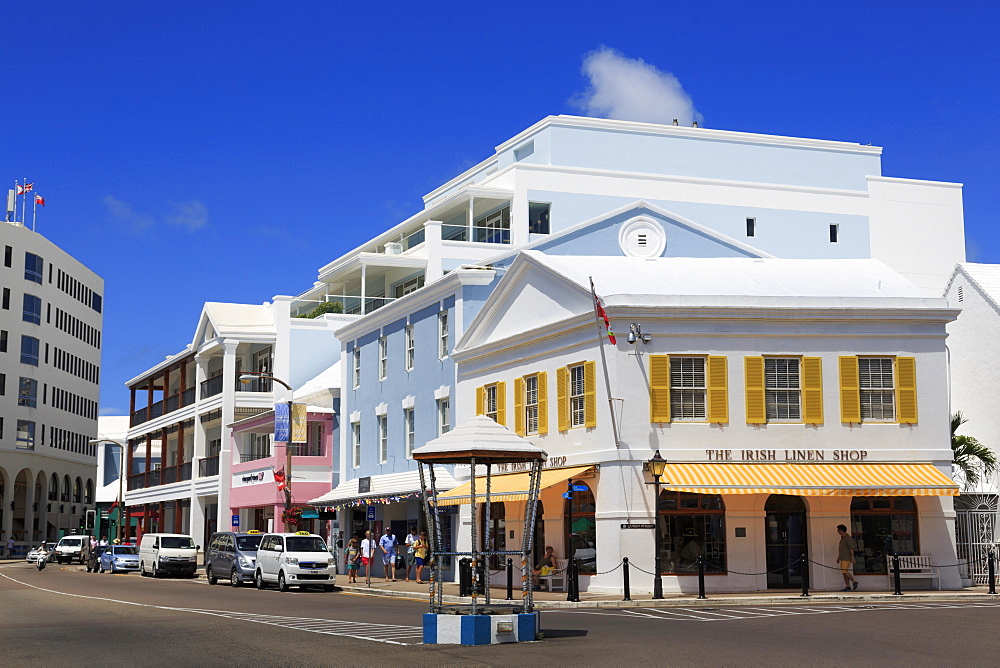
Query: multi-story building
point(50, 365)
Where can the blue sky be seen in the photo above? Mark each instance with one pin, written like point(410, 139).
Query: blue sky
point(223, 151)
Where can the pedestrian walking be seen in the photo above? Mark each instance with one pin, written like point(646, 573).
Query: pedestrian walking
point(388, 544)
point(420, 555)
point(367, 552)
point(10, 546)
point(411, 538)
point(845, 558)
point(353, 558)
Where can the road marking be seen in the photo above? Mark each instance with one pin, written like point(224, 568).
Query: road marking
point(393, 634)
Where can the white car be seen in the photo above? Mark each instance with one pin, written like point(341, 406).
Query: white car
point(300, 558)
point(35, 552)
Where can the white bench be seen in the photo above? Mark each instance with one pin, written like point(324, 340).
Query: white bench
point(557, 580)
point(914, 566)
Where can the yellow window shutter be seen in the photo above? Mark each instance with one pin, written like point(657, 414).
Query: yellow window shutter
point(562, 398)
point(718, 389)
point(590, 394)
point(519, 406)
point(850, 390)
point(502, 403)
point(906, 390)
point(753, 368)
point(812, 390)
point(543, 403)
point(480, 400)
point(659, 388)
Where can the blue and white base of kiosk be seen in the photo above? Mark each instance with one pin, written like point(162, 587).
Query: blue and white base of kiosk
point(480, 629)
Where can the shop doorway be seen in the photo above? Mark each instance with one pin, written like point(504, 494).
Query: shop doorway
point(785, 540)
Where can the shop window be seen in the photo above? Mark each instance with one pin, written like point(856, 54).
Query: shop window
point(498, 531)
point(582, 541)
point(881, 526)
point(692, 526)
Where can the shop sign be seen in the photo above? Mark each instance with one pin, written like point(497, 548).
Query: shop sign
point(638, 526)
point(516, 467)
point(786, 455)
point(252, 478)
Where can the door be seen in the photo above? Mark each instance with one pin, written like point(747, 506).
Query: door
point(785, 541)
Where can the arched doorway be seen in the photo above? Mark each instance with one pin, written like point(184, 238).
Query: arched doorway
point(785, 540)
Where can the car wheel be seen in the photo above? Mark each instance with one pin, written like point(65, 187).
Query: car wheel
point(153, 571)
point(211, 577)
point(282, 584)
point(88, 569)
point(142, 568)
point(328, 588)
point(102, 569)
point(258, 580)
point(234, 578)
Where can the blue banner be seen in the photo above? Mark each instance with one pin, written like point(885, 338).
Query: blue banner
point(282, 423)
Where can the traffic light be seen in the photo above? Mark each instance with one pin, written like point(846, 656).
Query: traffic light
point(91, 520)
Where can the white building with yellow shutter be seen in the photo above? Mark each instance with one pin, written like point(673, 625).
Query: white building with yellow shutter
point(787, 396)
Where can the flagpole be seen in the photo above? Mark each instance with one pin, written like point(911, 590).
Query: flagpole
point(23, 203)
point(34, 212)
point(17, 187)
point(604, 362)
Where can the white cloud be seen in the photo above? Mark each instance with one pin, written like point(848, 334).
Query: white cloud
point(124, 213)
point(192, 215)
point(630, 89)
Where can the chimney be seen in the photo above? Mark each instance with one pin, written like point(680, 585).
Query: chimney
point(675, 121)
point(695, 124)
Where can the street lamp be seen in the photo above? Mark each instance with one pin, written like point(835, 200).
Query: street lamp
point(250, 376)
point(656, 466)
point(121, 476)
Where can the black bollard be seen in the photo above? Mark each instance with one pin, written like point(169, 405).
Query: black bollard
point(701, 577)
point(510, 580)
point(805, 575)
point(895, 575)
point(574, 581)
point(991, 566)
point(628, 594)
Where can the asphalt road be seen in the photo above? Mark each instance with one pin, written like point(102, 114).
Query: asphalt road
point(63, 615)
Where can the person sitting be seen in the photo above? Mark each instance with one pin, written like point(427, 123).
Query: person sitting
point(545, 565)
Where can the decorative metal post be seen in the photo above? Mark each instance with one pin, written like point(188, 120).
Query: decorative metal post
point(628, 594)
point(657, 464)
point(895, 575)
point(701, 577)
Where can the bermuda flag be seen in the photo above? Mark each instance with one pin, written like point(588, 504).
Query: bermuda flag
point(25, 188)
point(279, 479)
point(604, 316)
point(113, 505)
point(39, 199)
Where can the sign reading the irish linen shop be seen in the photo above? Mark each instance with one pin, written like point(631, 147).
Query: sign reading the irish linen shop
point(786, 455)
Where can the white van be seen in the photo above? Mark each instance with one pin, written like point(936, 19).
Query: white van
point(167, 553)
point(299, 558)
point(73, 547)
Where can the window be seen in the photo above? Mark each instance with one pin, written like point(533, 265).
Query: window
point(491, 402)
point(784, 389)
point(96, 302)
point(687, 388)
point(357, 366)
point(8, 253)
point(493, 228)
point(5, 302)
point(33, 267)
point(834, 233)
point(27, 392)
point(582, 543)
point(751, 227)
point(693, 526)
point(3, 384)
point(530, 405)
point(29, 350)
point(383, 439)
point(3, 340)
point(409, 427)
point(538, 217)
point(575, 396)
point(882, 525)
point(409, 286)
point(258, 446)
point(409, 348)
point(314, 440)
point(383, 358)
point(32, 309)
point(356, 442)
point(444, 419)
point(25, 435)
point(781, 384)
point(443, 334)
point(877, 392)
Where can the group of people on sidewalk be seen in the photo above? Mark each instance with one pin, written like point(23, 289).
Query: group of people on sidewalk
point(362, 553)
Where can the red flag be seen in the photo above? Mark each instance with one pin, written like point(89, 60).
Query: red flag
point(25, 188)
point(279, 479)
point(604, 316)
point(113, 505)
point(39, 200)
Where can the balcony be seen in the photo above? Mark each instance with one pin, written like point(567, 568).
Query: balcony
point(254, 456)
point(172, 403)
point(163, 476)
point(208, 466)
point(211, 387)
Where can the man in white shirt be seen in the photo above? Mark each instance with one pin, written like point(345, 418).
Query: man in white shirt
point(367, 551)
point(411, 538)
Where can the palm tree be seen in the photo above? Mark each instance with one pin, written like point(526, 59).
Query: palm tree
point(969, 455)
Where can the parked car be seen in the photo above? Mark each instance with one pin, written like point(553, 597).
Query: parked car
point(72, 547)
point(165, 553)
point(118, 558)
point(299, 558)
point(94, 559)
point(33, 553)
point(232, 555)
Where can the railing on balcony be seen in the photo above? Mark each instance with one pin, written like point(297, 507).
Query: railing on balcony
point(171, 404)
point(163, 476)
point(254, 456)
point(208, 466)
point(485, 235)
point(254, 385)
point(211, 387)
point(353, 305)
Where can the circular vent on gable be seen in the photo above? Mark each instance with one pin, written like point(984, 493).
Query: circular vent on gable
point(642, 237)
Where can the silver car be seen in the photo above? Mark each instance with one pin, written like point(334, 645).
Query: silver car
point(120, 558)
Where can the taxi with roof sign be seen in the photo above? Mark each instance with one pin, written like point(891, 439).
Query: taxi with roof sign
point(289, 559)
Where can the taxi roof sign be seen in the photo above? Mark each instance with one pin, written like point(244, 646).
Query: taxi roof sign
point(302, 533)
point(253, 531)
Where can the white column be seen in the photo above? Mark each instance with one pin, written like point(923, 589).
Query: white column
point(364, 279)
point(433, 247)
point(228, 410)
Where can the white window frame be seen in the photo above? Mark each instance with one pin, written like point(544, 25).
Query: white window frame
point(409, 431)
point(383, 357)
point(410, 351)
point(688, 388)
point(357, 366)
point(443, 334)
point(531, 404)
point(490, 401)
point(383, 438)
point(356, 443)
point(872, 383)
point(443, 417)
point(577, 395)
point(783, 389)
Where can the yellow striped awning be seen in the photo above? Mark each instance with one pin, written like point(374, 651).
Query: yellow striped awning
point(867, 479)
point(507, 486)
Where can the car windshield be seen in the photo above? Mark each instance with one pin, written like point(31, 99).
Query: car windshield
point(305, 544)
point(71, 541)
point(98, 551)
point(120, 549)
point(176, 541)
point(248, 543)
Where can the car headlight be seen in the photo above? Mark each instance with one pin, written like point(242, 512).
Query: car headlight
point(245, 563)
point(331, 562)
point(164, 558)
point(294, 561)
